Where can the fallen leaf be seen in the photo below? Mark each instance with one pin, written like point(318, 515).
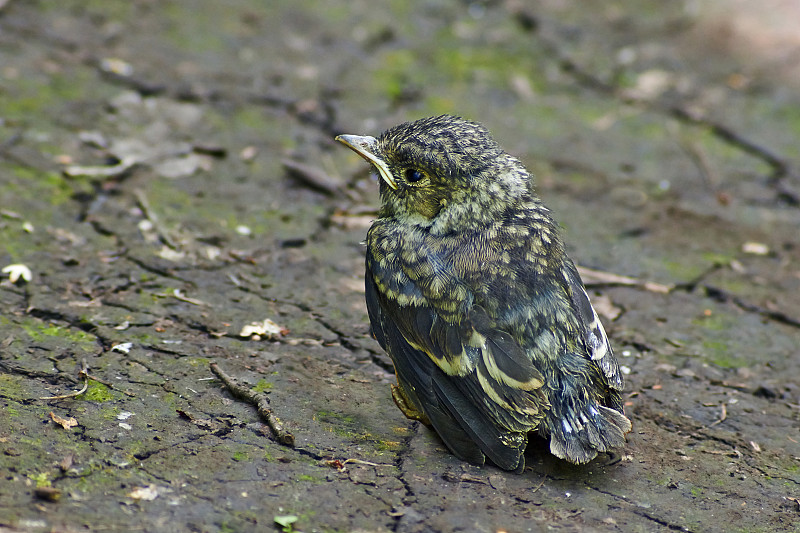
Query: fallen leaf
point(123, 347)
point(267, 328)
point(147, 494)
point(755, 248)
point(285, 521)
point(18, 272)
point(66, 423)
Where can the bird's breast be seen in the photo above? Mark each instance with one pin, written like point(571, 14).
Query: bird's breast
point(497, 265)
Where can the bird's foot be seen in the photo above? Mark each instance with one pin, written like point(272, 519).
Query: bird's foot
point(407, 407)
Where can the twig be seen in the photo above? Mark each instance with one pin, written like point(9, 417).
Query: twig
point(360, 462)
point(84, 373)
point(540, 485)
point(148, 213)
point(723, 415)
point(312, 176)
point(178, 295)
point(598, 277)
point(259, 400)
point(102, 171)
point(71, 394)
point(699, 158)
point(86, 376)
point(780, 167)
point(724, 296)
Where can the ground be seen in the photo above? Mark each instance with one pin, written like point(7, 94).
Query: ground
point(168, 175)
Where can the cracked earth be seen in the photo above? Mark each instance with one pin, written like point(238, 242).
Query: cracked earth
point(168, 175)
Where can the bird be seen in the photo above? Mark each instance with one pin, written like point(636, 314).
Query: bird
point(471, 293)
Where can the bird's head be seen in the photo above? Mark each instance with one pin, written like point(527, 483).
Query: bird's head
point(442, 170)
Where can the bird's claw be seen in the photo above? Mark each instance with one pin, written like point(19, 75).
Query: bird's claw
point(402, 401)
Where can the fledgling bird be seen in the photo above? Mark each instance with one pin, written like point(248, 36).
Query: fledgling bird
point(471, 293)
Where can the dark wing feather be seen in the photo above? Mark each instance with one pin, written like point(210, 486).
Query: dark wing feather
point(415, 374)
point(504, 448)
point(447, 378)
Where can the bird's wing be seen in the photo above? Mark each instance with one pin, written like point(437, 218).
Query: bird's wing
point(586, 409)
point(416, 373)
point(476, 385)
point(594, 335)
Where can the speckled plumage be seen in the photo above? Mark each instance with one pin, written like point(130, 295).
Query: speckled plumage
point(470, 292)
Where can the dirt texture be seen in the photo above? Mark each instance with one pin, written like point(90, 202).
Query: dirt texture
point(168, 176)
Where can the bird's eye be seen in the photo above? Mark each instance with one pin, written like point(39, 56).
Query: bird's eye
point(413, 175)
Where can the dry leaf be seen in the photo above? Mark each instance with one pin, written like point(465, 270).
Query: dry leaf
point(148, 493)
point(66, 423)
point(755, 248)
point(267, 328)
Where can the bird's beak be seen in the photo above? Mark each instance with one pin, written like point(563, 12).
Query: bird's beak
point(366, 146)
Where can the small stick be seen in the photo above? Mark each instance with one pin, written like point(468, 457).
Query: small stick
point(312, 176)
point(540, 485)
point(86, 376)
point(71, 394)
point(84, 373)
point(722, 416)
point(150, 215)
point(598, 277)
point(360, 462)
point(259, 400)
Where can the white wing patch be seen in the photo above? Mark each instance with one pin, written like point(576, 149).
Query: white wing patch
point(597, 339)
point(597, 344)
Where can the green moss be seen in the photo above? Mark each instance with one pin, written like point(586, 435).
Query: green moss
point(42, 332)
point(102, 9)
point(132, 448)
point(683, 269)
point(35, 97)
point(97, 392)
point(13, 386)
point(74, 335)
point(396, 72)
point(714, 322)
point(37, 185)
point(385, 445)
point(241, 456)
point(715, 346)
point(717, 258)
point(325, 416)
point(720, 355)
point(41, 479)
point(248, 118)
point(202, 34)
point(166, 198)
point(263, 386)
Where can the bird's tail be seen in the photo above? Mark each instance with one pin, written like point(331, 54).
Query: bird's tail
point(579, 432)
